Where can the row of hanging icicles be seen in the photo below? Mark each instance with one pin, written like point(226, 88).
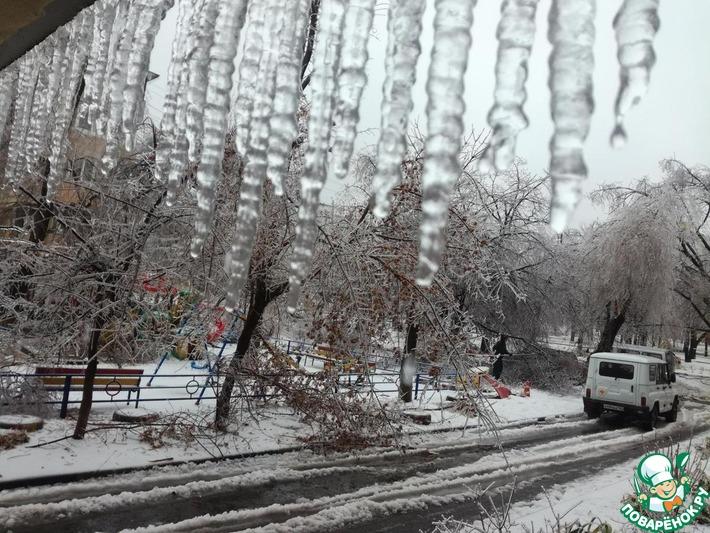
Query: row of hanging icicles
point(109, 46)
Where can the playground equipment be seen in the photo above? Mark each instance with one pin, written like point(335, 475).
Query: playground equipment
point(502, 391)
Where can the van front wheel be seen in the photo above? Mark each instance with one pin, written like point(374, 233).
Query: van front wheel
point(650, 422)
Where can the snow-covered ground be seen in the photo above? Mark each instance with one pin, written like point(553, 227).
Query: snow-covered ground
point(107, 447)
point(592, 497)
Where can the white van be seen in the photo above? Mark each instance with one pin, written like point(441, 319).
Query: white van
point(632, 384)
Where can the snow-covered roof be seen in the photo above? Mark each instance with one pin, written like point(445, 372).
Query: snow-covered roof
point(626, 357)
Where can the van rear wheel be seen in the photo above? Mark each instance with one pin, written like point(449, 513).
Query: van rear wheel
point(672, 415)
point(652, 419)
point(594, 412)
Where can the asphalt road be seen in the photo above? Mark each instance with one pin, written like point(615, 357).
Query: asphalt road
point(277, 490)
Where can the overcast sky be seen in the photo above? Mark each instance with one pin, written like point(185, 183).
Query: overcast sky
point(672, 121)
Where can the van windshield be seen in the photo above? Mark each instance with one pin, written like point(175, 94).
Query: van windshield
point(616, 370)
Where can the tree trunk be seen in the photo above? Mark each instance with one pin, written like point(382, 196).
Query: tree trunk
point(694, 342)
point(408, 368)
point(260, 299)
point(87, 392)
point(612, 325)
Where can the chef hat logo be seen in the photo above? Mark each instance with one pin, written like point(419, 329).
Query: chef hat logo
point(655, 469)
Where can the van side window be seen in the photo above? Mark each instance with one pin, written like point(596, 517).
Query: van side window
point(651, 373)
point(616, 370)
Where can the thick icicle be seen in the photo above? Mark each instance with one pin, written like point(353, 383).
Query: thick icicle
point(636, 25)
point(37, 121)
point(199, 64)
point(138, 61)
point(248, 72)
point(168, 123)
point(29, 71)
point(325, 68)
point(352, 78)
point(8, 79)
point(219, 87)
point(516, 33)
point(445, 109)
point(117, 86)
point(403, 49)
point(102, 113)
point(178, 157)
point(77, 52)
point(283, 122)
point(571, 32)
point(252, 186)
point(91, 73)
point(98, 62)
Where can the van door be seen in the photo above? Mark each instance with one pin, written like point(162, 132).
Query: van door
point(663, 393)
point(617, 382)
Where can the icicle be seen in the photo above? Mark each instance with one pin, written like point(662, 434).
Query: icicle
point(29, 70)
point(571, 32)
point(117, 85)
point(8, 79)
point(283, 122)
point(636, 25)
point(199, 64)
point(248, 72)
point(403, 49)
point(352, 78)
point(516, 33)
point(70, 85)
point(445, 109)
point(98, 60)
point(325, 67)
point(138, 61)
point(102, 113)
point(37, 124)
point(167, 123)
point(252, 186)
point(219, 87)
point(91, 74)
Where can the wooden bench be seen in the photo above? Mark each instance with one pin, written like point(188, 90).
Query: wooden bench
point(109, 380)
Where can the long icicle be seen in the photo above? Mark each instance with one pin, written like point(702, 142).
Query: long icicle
point(41, 116)
point(199, 66)
point(73, 76)
point(178, 156)
point(248, 72)
point(138, 62)
point(516, 33)
point(168, 122)
point(8, 81)
point(324, 86)
point(29, 72)
point(283, 122)
point(117, 86)
point(100, 115)
point(219, 87)
point(252, 186)
point(445, 109)
point(96, 86)
point(571, 32)
point(36, 124)
point(636, 25)
point(352, 78)
point(404, 28)
point(92, 73)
